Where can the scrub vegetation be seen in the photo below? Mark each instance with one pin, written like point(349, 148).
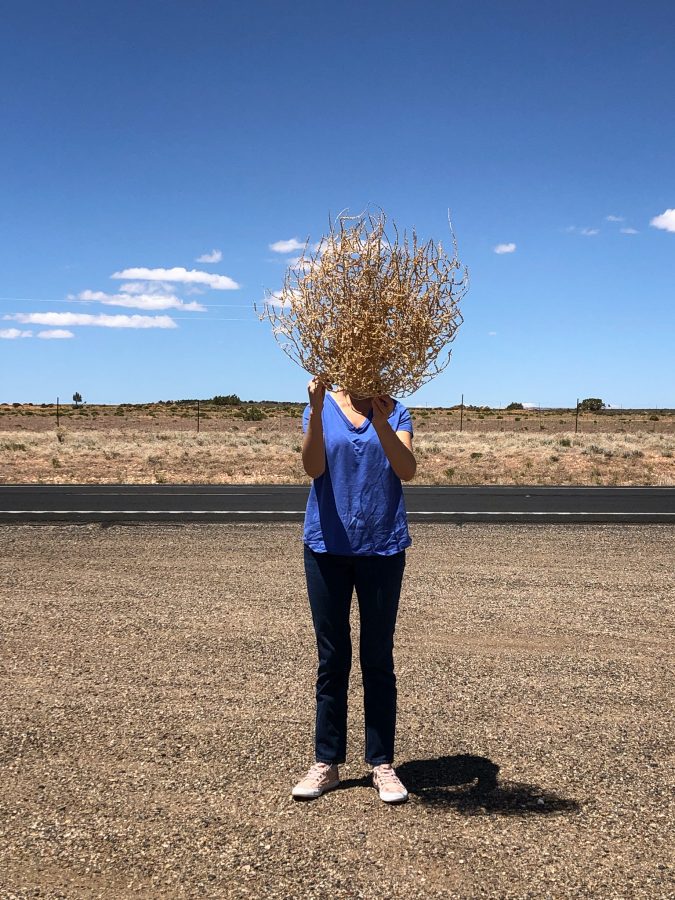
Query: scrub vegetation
point(246, 442)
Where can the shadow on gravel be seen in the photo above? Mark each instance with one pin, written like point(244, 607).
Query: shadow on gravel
point(470, 785)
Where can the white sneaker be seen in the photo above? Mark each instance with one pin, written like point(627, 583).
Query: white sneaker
point(320, 778)
point(390, 787)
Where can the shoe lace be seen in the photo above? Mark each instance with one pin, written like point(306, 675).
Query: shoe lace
point(387, 776)
point(317, 772)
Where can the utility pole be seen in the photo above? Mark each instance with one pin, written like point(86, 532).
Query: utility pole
point(461, 413)
point(57, 412)
point(576, 424)
point(197, 416)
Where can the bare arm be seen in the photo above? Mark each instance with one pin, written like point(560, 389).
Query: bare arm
point(397, 445)
point(313, 448)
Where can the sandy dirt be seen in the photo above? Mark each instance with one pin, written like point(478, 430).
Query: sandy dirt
point(157, 705)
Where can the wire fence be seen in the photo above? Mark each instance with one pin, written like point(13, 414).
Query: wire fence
point(205, 415)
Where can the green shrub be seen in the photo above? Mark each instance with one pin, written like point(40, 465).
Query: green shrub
point(253, 414)
point(12, 445)
point(591, 404)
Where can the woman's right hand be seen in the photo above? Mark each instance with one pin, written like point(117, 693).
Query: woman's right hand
point(316, 389)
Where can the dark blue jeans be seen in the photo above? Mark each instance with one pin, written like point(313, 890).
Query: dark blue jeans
point(331, 580)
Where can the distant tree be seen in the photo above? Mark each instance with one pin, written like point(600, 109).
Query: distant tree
point(591, 404)
point(226, 400)
point(77, 399)
point(515, 406)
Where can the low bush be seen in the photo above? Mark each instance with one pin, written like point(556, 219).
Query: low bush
point(253, 414)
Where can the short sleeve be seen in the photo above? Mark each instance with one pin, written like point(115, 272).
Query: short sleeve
point(305, 419)
point(404, 420)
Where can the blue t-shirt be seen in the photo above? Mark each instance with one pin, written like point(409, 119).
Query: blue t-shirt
point(356, 508)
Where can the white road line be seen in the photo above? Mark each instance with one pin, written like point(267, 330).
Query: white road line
point(152, 512)
point(414, 512)
point(295, 512)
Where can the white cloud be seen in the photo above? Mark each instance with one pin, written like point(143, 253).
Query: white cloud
point(145, 287)
point(614, 219)
point(10, 334)
point(213, 257)
point(289, 246)
point(151, 301)
point(666, 221)
point(180, 275)
point(588, 232)
point(505, 248)
point(628, 231)
point(492, 332)
point(102, 320)
point(55, 334)
point(275, 299)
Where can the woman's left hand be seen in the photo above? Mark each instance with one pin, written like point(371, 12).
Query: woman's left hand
point(382, 408)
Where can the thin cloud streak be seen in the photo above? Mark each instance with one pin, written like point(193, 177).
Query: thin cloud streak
point(55, 334)
point(505, 248)
point(214, 256)
point(180, 275)
point(290, 246)
point(138, 301)
point(11, 334)
point(101, 320)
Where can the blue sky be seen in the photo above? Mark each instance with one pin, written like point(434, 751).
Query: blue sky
point(144, 135)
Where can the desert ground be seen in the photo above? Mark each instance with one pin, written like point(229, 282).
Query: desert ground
point(261, 443)
point(157, 704)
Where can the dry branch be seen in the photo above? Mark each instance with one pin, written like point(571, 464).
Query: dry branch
point(368, 314)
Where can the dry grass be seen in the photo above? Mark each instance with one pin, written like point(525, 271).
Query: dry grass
point(158, 445)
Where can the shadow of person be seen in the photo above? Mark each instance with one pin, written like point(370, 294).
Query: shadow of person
point(470, 784)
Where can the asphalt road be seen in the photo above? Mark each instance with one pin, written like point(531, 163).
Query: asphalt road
point(274, 503)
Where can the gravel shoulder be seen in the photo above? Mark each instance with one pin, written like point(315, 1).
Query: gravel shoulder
point(157, 705)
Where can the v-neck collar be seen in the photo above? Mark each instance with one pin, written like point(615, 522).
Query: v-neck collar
point(359, 428)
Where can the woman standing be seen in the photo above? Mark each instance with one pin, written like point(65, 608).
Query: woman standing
point(357, 452)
